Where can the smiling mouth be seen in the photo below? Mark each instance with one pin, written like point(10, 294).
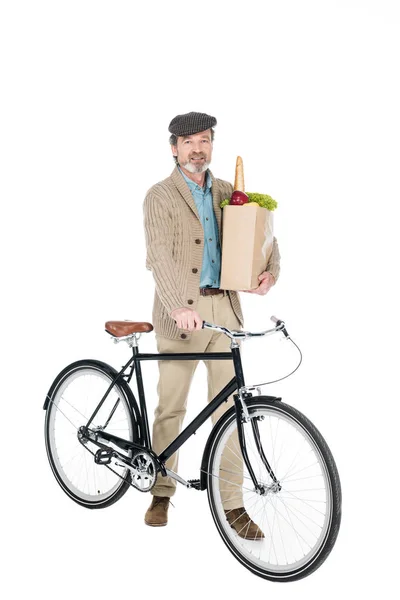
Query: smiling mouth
point(201, 158)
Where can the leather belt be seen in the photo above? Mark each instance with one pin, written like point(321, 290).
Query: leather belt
point(211, 291)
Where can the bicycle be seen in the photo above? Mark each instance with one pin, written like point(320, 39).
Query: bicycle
point(98, 444)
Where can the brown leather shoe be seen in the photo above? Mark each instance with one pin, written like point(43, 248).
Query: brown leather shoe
point(157, 513)
point(240, 521)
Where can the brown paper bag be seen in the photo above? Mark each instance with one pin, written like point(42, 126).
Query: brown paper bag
point(247, 239)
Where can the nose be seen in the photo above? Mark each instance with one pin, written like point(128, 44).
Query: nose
point(197, 147)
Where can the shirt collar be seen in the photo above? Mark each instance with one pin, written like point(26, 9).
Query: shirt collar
point(192, 184)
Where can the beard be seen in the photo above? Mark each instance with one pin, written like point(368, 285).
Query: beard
point(193, 168)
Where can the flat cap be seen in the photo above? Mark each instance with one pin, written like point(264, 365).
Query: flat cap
point(191, 123)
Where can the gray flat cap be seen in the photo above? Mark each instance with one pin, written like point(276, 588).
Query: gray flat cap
point(191, 123)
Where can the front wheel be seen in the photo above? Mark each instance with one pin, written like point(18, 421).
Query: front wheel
point(72, 399)
point(297, 515)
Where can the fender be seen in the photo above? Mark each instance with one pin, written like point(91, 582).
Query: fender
point(110, 371)
point(217, 427)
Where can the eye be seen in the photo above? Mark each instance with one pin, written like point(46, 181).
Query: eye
point(186, 142)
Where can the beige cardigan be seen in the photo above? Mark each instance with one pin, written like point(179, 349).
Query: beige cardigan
point(174, 242)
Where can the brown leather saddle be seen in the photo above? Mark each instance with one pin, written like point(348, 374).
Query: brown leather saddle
point(122, 328)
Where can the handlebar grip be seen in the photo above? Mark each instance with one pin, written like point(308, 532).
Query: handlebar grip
point(280, 322)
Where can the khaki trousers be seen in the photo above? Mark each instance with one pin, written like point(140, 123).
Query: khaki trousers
point(173, 387)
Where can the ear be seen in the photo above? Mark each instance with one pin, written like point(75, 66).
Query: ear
point(174, 150)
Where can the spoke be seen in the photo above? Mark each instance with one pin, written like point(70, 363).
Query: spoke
point(72, 406)
point(260, 528)
point(289, 480)
point(303, 499)
point(283, 543)
point(226, 480)
point(238, 495)
point(119, 420)
point(87, 473)
point(306, 516)
point(300, 470)
point(272, 544)
point(272, 540)
point(234, 464)
point(290, 523)
point(281, 453)
point(250, 519)
point(305, 502)
point(118, 428)
point(235, 473)
point(240, 457)
point(304, 490)
point(294, 458)
point(238, 450)
point(241, 515)
point(59, 409)
point(71, 459)
point(78, 476)
point(95, 481)
point(298, 518)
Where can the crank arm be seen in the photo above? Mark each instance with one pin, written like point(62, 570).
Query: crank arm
point(95, 437)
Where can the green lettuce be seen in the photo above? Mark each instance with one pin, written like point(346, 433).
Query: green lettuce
point(262, 199)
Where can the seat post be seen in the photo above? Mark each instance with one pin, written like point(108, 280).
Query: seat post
point(133, 341)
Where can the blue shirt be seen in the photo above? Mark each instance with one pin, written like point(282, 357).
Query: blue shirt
point(211, 266)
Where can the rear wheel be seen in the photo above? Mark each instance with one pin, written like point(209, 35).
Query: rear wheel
point(299, 517)
point(74, 396)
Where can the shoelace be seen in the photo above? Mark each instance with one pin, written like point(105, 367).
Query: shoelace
point(162, 501)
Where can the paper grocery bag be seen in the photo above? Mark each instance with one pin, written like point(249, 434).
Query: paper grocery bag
point(247, 239)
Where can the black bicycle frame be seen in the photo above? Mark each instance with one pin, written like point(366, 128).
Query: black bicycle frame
point(134, 362)
point(233, 385)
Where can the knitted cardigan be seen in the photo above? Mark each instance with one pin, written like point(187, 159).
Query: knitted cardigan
point(174, 243)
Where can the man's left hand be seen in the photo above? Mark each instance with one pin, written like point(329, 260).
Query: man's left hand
point(267, 280)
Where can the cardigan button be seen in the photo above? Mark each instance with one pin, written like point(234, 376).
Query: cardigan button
point(198, 241)
point(183, 336)
point(190, 301)
point(194, 270)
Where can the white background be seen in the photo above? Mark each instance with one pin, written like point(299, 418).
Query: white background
point(307, 93)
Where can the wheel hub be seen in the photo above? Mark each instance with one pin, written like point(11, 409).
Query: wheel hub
point(264, 489)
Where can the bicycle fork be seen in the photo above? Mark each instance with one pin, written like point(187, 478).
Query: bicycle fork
point(242, 416)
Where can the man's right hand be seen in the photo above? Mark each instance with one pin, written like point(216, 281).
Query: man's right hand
point(186, 318)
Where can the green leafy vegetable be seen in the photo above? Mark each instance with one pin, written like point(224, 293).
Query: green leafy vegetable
point(262, 199)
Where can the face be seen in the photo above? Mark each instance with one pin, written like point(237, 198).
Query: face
point(194, 151)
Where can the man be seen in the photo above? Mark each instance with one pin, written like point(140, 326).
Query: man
point(182, 220)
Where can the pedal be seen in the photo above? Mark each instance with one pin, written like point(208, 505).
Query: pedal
point(194, 483)
point(103, 456)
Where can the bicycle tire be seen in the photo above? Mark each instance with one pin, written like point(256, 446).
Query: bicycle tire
point(245, 550)
point(100, 377)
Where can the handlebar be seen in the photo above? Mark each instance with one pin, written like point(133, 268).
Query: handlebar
point(233, 334)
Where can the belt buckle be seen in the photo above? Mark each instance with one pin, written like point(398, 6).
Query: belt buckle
point(203, 291)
